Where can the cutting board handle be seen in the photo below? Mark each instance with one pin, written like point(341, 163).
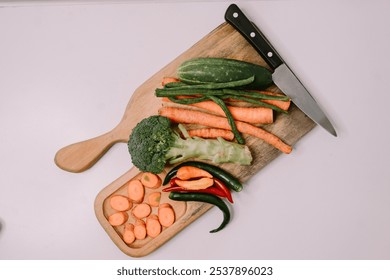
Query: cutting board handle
point(80, 156)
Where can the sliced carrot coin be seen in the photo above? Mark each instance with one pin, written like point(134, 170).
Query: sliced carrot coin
point(166, 215)
point(120, 203)
point(154, 199)
point(141, 211)
point(118, 218)
point(128, 234)
point(140, 229)
point(136, 190)
point(150, 180)
point(153, 226)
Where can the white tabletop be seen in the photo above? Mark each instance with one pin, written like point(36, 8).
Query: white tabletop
point(67, 72)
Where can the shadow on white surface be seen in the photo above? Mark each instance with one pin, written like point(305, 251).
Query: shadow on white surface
point(1, 226)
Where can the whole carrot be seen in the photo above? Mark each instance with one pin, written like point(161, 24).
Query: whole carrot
point(168, 80)
point(211, 133)
point(282, 104)
point(255, 115)
point(180, 115)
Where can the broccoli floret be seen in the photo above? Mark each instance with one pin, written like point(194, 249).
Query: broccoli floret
point(153, 143)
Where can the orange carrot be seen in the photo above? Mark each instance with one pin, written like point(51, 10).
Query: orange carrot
point(154, 199)
point(255, 115)
point(167, 80)
point(141, 211)
point(140, 229)
point(120, 203)
point(118, 218)
point(211, 133)
point(153, 226)
point(179, 115)
point(284, 105)
point(199, 184)
point(151, 180)
point(192, 172)
point(136, 190)
point(128, 234)
point(166, 215)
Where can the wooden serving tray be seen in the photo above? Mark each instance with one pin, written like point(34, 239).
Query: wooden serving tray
point(185, 213)
point(224, 41)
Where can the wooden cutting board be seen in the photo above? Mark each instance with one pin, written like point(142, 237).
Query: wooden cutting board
point(226, 42)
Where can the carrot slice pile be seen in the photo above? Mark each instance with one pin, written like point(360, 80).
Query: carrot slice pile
point(142, 222)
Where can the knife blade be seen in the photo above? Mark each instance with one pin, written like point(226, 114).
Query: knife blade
point(282, 76)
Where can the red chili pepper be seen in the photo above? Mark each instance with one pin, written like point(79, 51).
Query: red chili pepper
point(219, 184)
point(172, 182)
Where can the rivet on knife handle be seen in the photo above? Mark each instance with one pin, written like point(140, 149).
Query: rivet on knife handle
point(237, 18)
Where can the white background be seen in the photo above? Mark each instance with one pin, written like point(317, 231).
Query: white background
point(67, 72)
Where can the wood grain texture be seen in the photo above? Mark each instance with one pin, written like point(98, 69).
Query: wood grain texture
point(224, 41)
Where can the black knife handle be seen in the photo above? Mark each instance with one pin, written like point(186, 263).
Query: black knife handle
point(253, 35)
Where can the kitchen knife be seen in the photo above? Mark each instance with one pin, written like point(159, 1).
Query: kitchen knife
point(282, 76)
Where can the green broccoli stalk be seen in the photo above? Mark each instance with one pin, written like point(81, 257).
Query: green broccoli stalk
point(153, 143)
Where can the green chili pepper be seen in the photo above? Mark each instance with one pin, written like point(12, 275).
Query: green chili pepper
point(208, 198)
